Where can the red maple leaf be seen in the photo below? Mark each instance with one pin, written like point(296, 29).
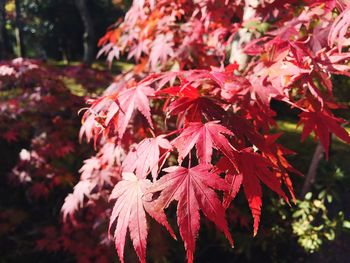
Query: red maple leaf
point(76, 199)
point(249, 169)
point(205, 137)
point(126, 102)
point(129, 212)
point(193, 188)
point(117, 109)
point(161, 50)
point(145, 158)
point(337, 33)
point(323, 124)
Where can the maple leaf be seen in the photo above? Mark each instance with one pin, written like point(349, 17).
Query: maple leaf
point(70, 206)
point(124, 104)
point(112, 153)
point(129, 212)
point(249, 169)
point(98, 173)
point(332, 62)
point(89, 128)
point(323, 124)
point(190, 106)
point(206, 137)
point(161, 50)
point(76, 199)
point(193, 188)
point(145, 158)
point(337, 33)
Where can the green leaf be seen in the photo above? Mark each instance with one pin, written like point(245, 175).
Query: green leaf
point(308, 196)
point(346, 224)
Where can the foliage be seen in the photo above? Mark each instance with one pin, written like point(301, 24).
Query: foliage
point(53, 28)
point(312, 224)
point(39, 124)
point(196, 120)
point(205, 76)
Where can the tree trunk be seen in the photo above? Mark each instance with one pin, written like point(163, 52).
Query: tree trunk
point(89, 34)
point(4, 45)
point(19, 30)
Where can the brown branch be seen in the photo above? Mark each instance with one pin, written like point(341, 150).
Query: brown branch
point(311, 174)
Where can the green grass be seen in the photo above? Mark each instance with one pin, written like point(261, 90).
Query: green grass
point(74, 87)
point(116, 66)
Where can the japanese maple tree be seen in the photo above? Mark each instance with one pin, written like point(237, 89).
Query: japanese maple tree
point(192, 121)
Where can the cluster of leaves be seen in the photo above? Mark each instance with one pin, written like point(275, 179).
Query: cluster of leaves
point(313, 225)
point(38, 117)
point(34, 106)
point(186, 99)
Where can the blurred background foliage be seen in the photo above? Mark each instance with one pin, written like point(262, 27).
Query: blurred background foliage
point(314, 229)
point(53, 29)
